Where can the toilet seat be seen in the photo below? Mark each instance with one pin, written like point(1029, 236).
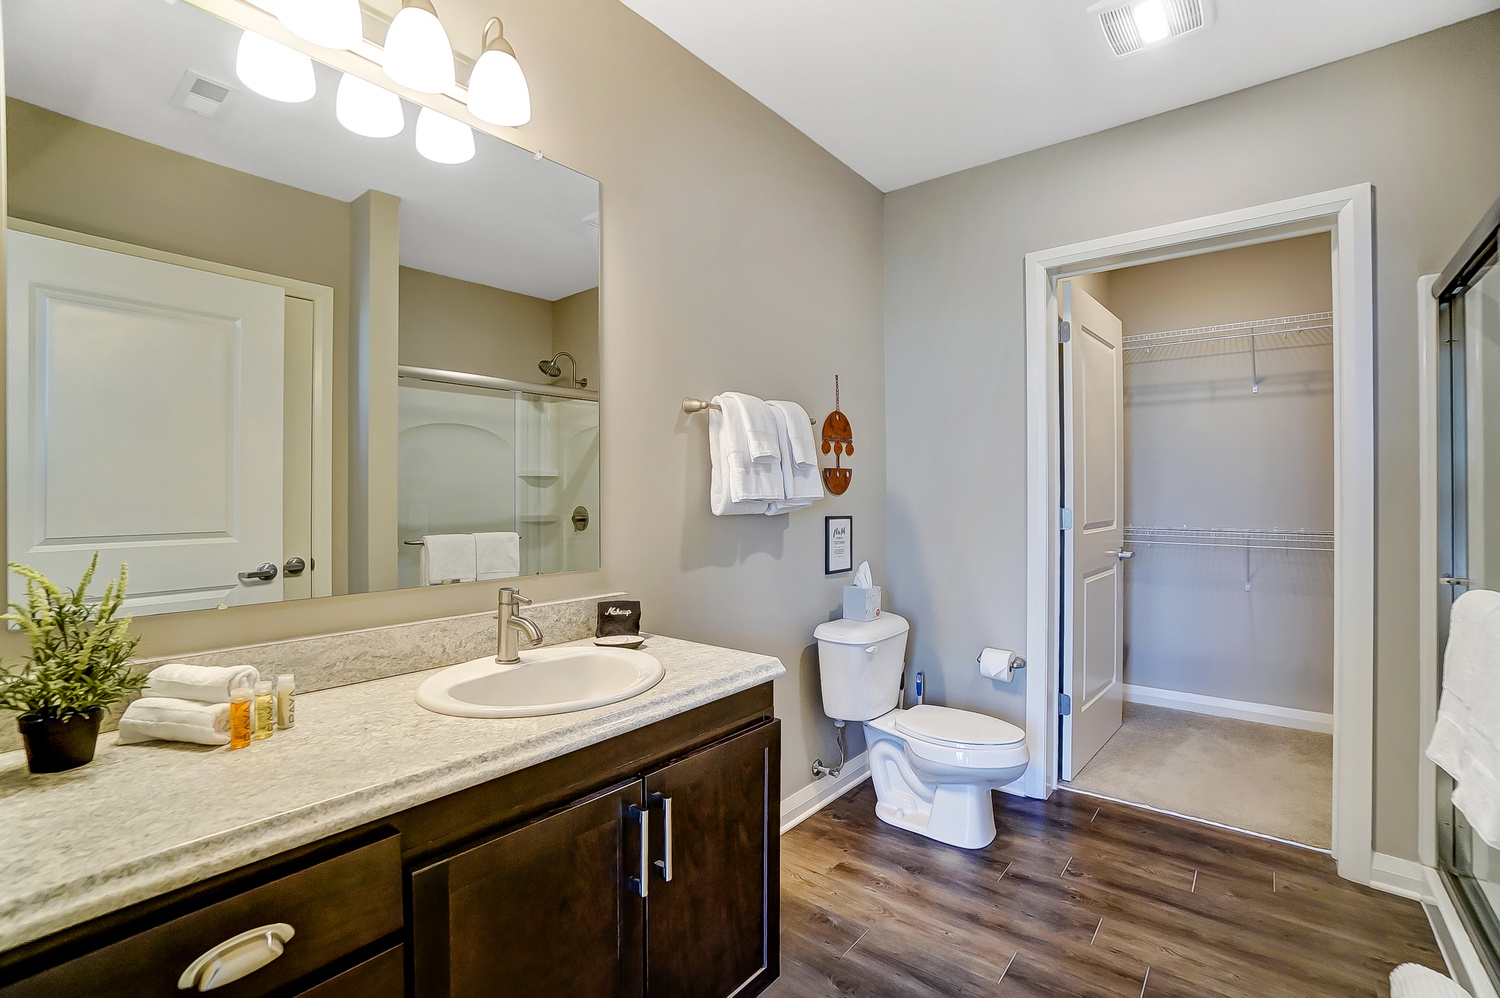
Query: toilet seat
point(957, 728)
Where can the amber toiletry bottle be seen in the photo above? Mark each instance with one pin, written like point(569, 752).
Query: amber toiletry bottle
point(239, 718)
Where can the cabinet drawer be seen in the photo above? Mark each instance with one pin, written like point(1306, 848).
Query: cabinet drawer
point(382, 976)
point(334, 906)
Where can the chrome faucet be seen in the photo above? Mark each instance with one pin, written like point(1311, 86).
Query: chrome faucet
point(507, 648)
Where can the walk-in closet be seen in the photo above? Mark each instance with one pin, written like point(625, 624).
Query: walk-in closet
point(1227, 567)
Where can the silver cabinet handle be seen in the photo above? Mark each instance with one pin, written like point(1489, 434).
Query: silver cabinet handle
point(1124, 555)
point(236, 958)
point(265, 573)
point(642, 884)
point(665, 863)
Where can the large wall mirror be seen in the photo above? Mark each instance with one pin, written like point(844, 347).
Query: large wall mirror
point(258, 356)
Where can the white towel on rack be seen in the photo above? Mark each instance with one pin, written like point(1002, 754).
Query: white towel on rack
point(754, 426)
point(497, 554)
point(448, 556)
point(738, 483)
point(1466, 739)
point(802, 480)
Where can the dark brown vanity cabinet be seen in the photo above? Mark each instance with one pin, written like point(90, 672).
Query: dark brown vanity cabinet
point(579, 903)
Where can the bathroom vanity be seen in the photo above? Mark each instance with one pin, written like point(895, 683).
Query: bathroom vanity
point(630, 849)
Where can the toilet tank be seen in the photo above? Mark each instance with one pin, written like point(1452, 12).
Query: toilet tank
point(860, 663)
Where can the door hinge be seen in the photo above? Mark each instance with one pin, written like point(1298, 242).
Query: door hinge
point(1449, 580)
point(1065, 518)
point(1064, 704)
point(1064, 330)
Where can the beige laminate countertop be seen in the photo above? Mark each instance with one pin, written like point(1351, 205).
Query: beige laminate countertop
point(141, 820)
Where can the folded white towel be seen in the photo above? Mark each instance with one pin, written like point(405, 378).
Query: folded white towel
point(1466, 738)
point(497, 554)
point(802, 482)
point(204, 683)
point(174, 720)
point(1412, 980)
point(448, 556)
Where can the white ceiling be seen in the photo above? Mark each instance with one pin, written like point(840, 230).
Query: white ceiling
point(503, 219)
point(907, 90)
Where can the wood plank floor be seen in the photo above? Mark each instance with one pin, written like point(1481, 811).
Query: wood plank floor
point(1078, 897)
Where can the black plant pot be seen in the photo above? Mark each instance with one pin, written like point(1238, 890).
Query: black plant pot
point(53, 746)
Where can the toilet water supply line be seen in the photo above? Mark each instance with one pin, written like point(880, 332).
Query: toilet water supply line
point(819, 770)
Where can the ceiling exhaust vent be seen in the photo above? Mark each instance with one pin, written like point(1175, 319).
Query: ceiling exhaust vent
point(203, 96)
point(1128, 28)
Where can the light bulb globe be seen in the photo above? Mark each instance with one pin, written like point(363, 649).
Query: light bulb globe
point(273, 70)
point(368, 109)
point(417, 52)
point(443, 139)
point(497, 90)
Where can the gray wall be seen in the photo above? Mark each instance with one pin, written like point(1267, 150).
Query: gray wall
point(736, 254)
point(1417, 119)
point(1202, 450)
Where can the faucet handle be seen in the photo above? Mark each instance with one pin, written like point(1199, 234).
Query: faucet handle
point(515, 596)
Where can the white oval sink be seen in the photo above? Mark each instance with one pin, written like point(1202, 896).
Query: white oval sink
point(547, 681)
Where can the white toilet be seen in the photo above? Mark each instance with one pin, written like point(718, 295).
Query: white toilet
point(933, 767)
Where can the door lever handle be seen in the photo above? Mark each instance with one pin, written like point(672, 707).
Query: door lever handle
point(1124, 555)
point(265, 573)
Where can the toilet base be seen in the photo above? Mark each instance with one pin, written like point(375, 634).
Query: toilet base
point(960, 815)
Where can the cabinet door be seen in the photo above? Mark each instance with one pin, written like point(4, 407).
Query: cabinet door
point(712, 929)
point(542, 909)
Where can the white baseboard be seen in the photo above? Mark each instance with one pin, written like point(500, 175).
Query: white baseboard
point(1464, 964)
point(820, 793)
point(1262, 713)
point(1400, 876)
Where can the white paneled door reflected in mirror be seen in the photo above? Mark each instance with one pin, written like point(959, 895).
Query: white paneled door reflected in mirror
point(258, 354)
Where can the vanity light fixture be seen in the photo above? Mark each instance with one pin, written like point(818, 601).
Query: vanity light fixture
point(273, 70)
point(497, 87)
point(334, 24)
point(443, 139)
point(368, 109)
point(417, 52)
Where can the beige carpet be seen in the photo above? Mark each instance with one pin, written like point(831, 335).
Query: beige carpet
point(1276, 781)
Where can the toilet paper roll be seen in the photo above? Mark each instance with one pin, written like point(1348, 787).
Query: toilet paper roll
point(1000, 663)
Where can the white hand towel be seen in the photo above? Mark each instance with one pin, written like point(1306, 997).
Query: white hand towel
point(1466, 738)
point(754, 426)
point(204, 683)
point(448, 556)
point(803, 483)
point(175, 720)
point(497, 554)
point(799, 428)
point(737, 484)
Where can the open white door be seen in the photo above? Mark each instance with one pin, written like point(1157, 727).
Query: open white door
point(144, 421)
point(1093, 491)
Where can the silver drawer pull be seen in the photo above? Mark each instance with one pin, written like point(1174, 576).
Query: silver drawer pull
point(665, 863)
point(641, 885)
point(235, 958)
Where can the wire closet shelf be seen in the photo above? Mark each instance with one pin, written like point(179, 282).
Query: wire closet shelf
point(1312, 322)
point(1249, 540)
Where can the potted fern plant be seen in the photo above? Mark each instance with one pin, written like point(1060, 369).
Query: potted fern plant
point(79, 667)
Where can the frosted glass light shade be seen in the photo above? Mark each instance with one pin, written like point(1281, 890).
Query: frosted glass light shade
point(443, 139)
point(334, 24)
point(417, 52)
point(273, 70)
point(497, 90)
point(1151, 21)
point(367, 109)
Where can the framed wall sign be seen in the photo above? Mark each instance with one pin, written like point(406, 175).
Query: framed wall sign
point(838, 544)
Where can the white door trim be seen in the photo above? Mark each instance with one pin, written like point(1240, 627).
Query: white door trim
point(1427, 569)
point(1347, 215)
point(322, 405)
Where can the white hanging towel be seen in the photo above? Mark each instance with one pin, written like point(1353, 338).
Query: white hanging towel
point(497, 554)
point(1466, 739)
point(740, 482)
point(800, 476)
point(448, 557)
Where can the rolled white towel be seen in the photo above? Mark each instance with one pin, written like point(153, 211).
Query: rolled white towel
point(173, 720)
point(1411, 980)
point(205, 683)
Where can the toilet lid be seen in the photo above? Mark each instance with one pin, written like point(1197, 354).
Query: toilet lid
point(957, 727)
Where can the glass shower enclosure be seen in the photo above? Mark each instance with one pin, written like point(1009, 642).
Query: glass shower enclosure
point(475, 457)
point(1468, 294)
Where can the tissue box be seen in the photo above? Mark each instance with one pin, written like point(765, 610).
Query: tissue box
point(861, 604)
